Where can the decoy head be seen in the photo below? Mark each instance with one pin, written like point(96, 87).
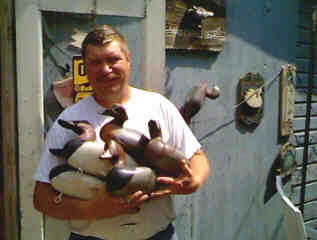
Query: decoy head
point(118, 113)
point(83, 128)
point(154, 129)
point(68, 149)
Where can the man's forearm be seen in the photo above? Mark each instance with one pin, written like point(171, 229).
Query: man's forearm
point(199, 163)
point(68, 208)
point(101, 206)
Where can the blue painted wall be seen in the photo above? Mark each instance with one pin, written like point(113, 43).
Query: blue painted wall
point(261, 37)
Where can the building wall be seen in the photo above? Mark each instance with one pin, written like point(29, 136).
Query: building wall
point(261, 37)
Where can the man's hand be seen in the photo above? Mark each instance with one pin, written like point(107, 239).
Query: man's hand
point(184, 184)
point(194, 176)
point(113, 206)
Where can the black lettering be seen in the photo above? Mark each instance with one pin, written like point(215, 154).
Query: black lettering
point(81, 69)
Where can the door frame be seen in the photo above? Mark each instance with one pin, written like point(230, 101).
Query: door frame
point(29, 83)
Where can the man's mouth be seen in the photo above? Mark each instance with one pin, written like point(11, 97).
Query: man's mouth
point(109, 80)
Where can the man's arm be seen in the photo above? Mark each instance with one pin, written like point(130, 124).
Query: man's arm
point(196, 175)
point(102, 205)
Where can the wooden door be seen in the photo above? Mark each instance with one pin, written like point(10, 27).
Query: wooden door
point(32, 77)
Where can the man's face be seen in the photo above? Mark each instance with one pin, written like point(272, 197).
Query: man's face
point(108, 70)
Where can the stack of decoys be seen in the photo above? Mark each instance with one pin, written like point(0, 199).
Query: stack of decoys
point(91, 164)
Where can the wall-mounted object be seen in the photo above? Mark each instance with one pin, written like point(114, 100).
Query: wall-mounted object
point(287, 97)
point(287, 159)
point(195, 100)
point(250, 94)
point(195, 25)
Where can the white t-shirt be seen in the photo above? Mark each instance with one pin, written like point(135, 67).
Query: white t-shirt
point(143, 106)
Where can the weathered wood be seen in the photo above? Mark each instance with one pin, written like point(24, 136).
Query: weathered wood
point(152, 73)
point(186, 30)
point(301, 95)
point(135, 8)
point(29, 87)
point(299, 123)
point(302, 80)
point(303, 51)
point(310, 193)
point(297, 139)
point(9, 195)
point(305, 36)
point(312, 154)
point(310, 210)
point(287, 99)
point(312, 223)
point(303, 65)
point(311, 174)
point(109, 7)
point(300, 109)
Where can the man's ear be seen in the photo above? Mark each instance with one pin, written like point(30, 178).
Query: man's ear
point(129, 56)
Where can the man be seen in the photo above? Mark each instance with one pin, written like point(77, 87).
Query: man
point(139, 215)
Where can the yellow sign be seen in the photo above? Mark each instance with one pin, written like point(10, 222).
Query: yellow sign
point(82, 88)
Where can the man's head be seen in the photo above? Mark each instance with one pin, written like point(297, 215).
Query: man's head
point(104, 35)
point(107, 64)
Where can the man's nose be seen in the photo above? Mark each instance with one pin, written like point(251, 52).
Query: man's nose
point(106, 68)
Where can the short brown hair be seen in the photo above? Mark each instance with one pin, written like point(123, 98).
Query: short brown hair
point(103, 35)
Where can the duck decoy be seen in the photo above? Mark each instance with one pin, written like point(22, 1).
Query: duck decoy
point(68, 180)
point(161, 156)
point(132, 141)
point(83, 153)
point(195, 100)
point(153, 153)
point(122, 181)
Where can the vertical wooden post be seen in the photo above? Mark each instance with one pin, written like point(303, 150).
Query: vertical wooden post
point(10, 201)
point(153, 50)
point(29, 68)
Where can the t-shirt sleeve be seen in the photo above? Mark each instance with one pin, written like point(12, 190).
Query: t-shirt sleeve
point(56, 138)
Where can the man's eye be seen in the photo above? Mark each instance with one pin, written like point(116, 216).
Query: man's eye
point(113, 60)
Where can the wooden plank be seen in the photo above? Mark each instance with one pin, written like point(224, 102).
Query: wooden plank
point(311, 174)
point(305, 36)
point(300, 109)
point(304, 50)
point(301, 95)
point(30, 110)
point(303, 78)
point(310, 193)
point(312, 154)
point(9, 200)
point(303, 65)
point(152, 67)
point(312, 223)
point(81, 6)
point(298, 138)
point(135, 8)
point(310, 210)
point(305, 20)
point(299, 123)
